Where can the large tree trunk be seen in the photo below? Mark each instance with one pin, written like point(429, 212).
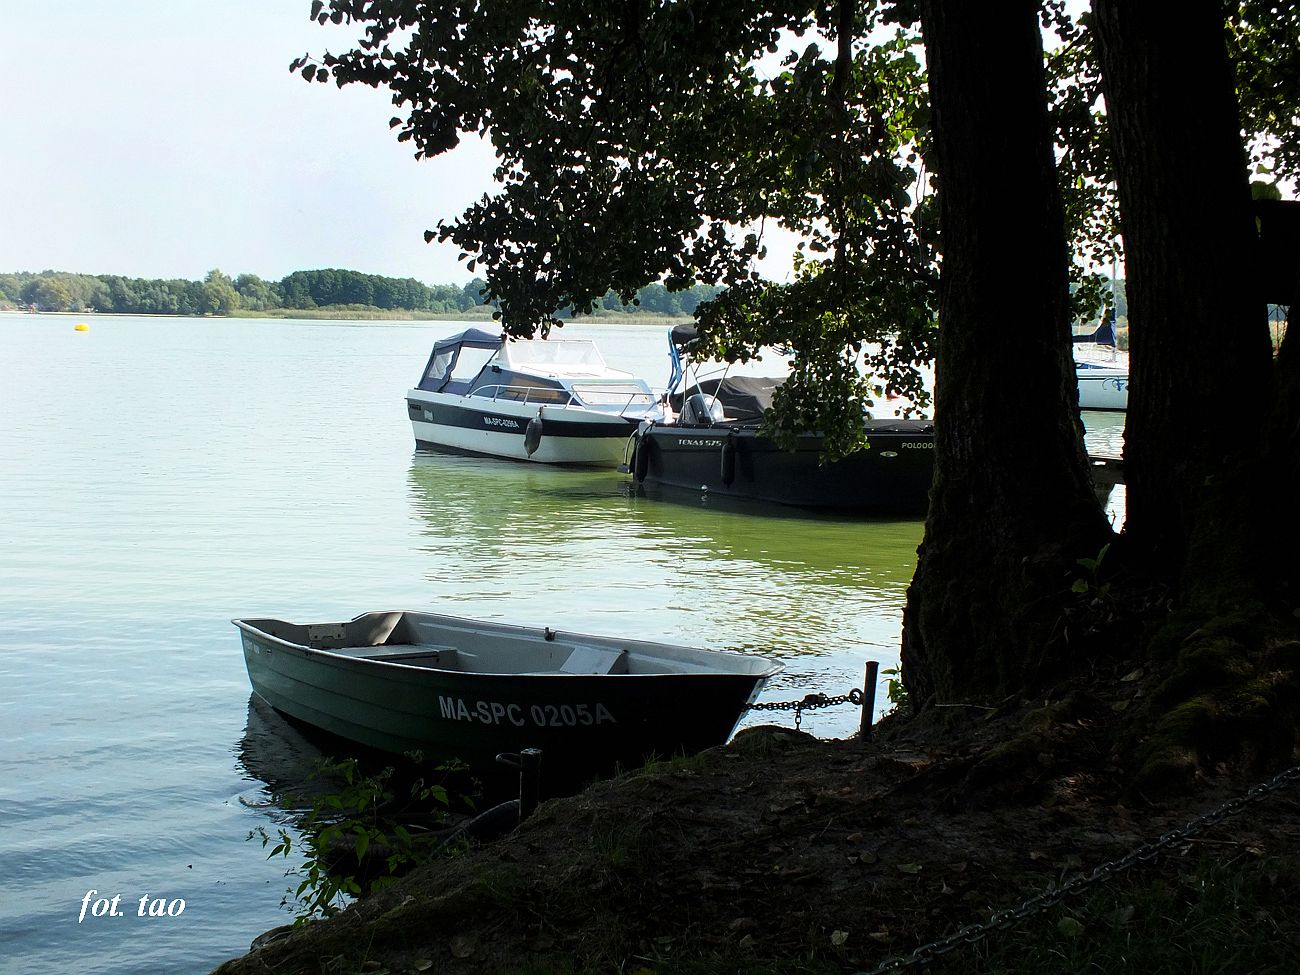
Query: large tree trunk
point(1282, 447)
point(1198, 330)
point(1211, 488)
point(1012, 508)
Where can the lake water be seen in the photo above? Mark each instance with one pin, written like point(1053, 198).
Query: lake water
point(161, 476)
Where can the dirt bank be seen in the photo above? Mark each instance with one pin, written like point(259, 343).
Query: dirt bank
point(782, 853)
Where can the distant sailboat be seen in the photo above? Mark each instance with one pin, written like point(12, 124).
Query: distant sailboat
point(1102, 369)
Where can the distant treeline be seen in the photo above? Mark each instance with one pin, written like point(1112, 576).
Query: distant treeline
point(219, 294)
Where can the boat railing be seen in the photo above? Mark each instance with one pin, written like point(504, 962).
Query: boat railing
point(647, 404)
point(526, 394)
point(614, 400)
point(641, 401)
point(620, 402)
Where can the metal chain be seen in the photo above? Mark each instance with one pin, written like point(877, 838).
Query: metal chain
point(1147, 852)
point(810, 703)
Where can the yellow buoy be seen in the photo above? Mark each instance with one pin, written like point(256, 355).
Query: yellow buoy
point(81, 327)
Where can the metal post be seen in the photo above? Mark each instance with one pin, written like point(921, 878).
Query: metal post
point(869, 699)
point(530, 777)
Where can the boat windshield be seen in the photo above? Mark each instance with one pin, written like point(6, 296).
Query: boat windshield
point(562, 355)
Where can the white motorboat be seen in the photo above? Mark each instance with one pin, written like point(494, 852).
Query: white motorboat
point(1102, 370)
point(551, 401)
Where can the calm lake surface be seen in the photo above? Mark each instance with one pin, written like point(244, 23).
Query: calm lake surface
point(161, 476)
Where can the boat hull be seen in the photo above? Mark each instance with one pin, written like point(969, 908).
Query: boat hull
point(891, 475)
point(1102, 388)
point(488, 428)
point(586, 725)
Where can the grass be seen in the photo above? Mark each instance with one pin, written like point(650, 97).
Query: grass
point(1191, 918)
point(1188, 917)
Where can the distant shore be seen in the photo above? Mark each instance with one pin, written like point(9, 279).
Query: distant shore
point(481, 313)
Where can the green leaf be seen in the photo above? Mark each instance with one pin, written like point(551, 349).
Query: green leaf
point(1069, 927)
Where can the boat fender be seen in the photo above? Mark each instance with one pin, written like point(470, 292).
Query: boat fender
point(533, 435)
point(640, 459)
point(728, 471)
point(629, 454)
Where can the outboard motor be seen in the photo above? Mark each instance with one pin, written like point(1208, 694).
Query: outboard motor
point(701, 411)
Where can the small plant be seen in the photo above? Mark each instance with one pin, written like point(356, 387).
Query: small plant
point(1091, 581)
point(351, 841)
point(895, 689)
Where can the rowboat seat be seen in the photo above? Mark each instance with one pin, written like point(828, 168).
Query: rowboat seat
point(593, 660)
point(428, 655)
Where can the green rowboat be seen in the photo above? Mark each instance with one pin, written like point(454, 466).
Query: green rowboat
point(453, 688)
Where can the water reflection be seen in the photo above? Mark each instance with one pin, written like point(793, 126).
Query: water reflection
point(1104, 431)
point(577, 550)
point(580, 550)
point(1104, 435)
point(297, 764)
point(323, 808)
point(279, 755)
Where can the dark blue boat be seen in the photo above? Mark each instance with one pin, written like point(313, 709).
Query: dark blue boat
point(715, 446)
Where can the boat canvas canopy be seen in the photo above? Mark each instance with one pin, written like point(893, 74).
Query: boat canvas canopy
point(449, 369)
point(741, 397)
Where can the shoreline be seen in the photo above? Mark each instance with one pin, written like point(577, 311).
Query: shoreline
point(378, 316)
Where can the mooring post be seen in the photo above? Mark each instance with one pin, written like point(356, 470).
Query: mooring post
point(869, 699)
point(530, 781)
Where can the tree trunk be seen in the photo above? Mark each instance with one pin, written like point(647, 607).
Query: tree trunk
point(1282, 447)
point(1198, 331)
point(1211, 488)
point(1012, 509)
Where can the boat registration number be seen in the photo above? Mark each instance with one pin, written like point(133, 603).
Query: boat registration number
point(519, 715)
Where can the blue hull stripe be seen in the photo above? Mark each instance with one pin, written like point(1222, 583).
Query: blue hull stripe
point(554, 426)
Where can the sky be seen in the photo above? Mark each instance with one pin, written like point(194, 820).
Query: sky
point(165, 138)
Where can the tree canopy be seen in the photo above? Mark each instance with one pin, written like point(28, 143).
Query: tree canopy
point(657, 141)
point(648, 142)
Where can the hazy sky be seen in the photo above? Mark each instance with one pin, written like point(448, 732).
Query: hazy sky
point(164, 138)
